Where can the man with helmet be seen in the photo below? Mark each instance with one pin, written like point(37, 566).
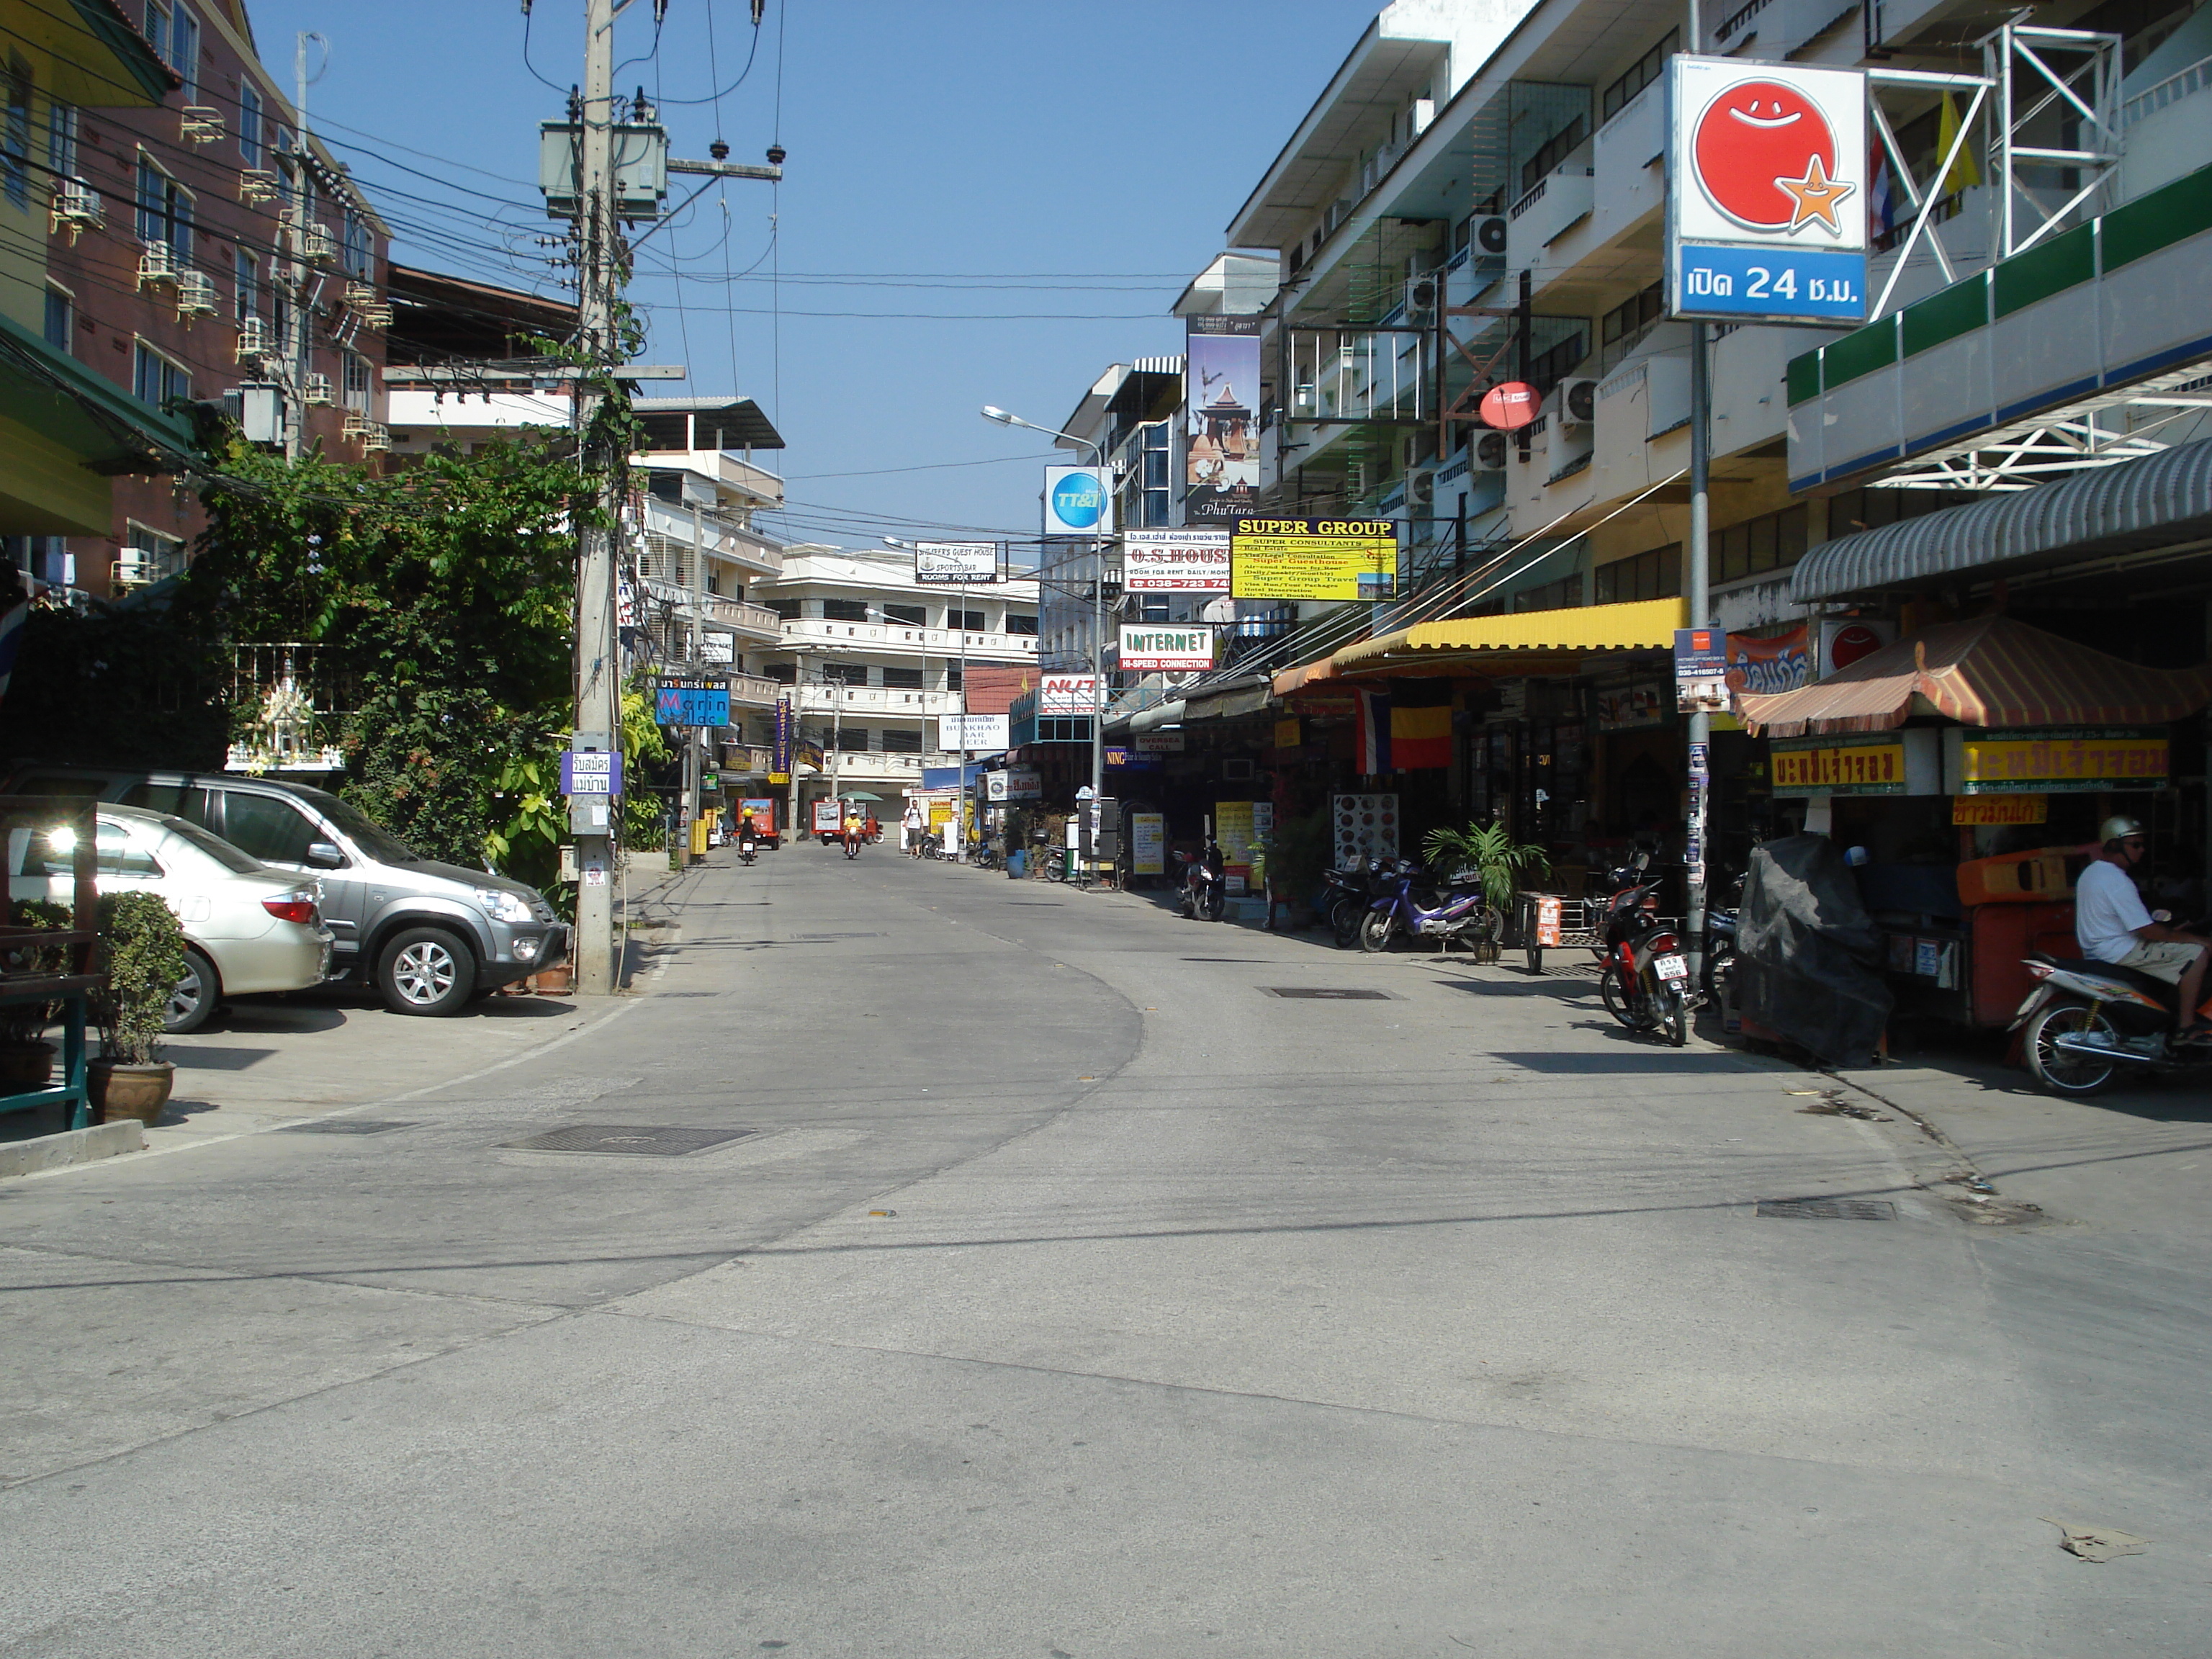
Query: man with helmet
point(2112, 926)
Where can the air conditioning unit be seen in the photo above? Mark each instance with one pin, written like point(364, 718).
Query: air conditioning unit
point(1488, 240)
point(203, 124)
point(1577, 402)
point(256, 184)
point(357, 425)
point(361, 299)
point(1421, 493)
point(1421, 298)
point(315, 391)
point(1491, 450)
point(253, 339)
point(134, 568)
point(76, 206)
point(376, 440)
point(195, 295)
point(156, 264)
point(315, 242)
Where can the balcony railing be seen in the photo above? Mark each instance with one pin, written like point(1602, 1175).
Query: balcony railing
point(755, 691)
point(740, 613)
point(877, 700)
point(902, 636)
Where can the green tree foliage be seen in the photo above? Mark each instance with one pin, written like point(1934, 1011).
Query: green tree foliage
point(142, 952)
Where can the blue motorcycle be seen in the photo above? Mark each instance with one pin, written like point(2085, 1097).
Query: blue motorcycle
point(1457, 918)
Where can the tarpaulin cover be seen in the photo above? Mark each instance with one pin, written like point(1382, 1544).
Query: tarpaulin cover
point(1806, 950)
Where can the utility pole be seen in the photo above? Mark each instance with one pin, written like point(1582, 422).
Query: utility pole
point(1699, 585)
point(598, 689)
point(694, 736)
point(299, 358)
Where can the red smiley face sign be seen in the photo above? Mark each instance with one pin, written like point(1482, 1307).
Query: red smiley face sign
point(1766, 157)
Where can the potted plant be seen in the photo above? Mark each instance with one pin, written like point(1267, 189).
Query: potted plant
point(26, 1060)
point(142, 957)
point(1500, 862)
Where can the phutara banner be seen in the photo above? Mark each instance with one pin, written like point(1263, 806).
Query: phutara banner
point(1313, 559)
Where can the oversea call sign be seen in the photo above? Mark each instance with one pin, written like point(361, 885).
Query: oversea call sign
point(1766, 211)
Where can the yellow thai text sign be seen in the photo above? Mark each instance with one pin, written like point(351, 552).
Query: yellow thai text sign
point(2071, 759)
point(1313, 558)
point(1871, 765)
point(1986, 810)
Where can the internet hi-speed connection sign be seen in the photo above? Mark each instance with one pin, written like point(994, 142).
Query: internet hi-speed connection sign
point(1766, 210)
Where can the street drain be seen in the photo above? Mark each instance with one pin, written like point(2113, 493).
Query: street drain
point(1326, 994)
point(1828, 1209)
point(810, 938)
point(347, 1126)
point(626, 1140)
point(689, 994)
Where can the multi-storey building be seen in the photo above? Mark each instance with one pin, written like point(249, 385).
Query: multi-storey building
point(873, 659)
point(203, 242)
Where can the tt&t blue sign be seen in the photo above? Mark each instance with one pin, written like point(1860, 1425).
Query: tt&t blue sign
point(1076, 502)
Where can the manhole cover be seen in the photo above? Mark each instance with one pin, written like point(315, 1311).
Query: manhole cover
point(347, 1126)
point(1828, 1209)
point(1326, 994)
point(634, 1140)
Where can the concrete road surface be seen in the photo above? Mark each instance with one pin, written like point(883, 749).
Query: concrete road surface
point(1071, 1286)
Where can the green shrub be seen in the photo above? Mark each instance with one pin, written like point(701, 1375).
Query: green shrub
point(141, 951)
point(27, 1023)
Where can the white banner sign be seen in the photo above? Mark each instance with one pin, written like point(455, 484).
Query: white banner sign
point(967, 734)
point(955, 564)
point(1160, 742)
point(1176, 561)
point(719, 647)
point(1014, 783)
point(1173, 647)
point(1066, 693)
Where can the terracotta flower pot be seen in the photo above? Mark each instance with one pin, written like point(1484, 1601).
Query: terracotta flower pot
point(120, 1091)
point(24, 1066)
point(554, 981)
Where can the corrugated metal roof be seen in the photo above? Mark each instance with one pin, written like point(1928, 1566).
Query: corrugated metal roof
point(2148, 503)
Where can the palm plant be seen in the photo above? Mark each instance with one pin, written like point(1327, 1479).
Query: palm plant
point(1498, 860)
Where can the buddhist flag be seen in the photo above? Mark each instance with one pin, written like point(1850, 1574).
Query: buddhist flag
point(1420, 737)
point(1965, 173)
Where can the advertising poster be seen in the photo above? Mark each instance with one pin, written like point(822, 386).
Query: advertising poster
point(1233, 827)
point(1148, 843)
point(956, 564)
point(1221, 431)
point(1701, 668)
point(1766, 208)
point(1365, 827)
point(1172, 646)
point(810, 754)
point(1762, 667)
point(779, 769)
point(1175, 561)
point(1013, 783)
point(1066, 693)
point(1313, 558)
point(1076, 502)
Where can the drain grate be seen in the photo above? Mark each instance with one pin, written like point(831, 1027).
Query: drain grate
point(1828, 1209)
point(347, 1126)
point(1326, 994)
point(628, 1140)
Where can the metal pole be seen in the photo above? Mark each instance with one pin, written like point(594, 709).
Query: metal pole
point(960, 812)
point(597, 676)
point(694, 762)
point(1698, 583)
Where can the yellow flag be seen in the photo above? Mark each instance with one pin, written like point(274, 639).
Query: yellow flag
point(1965, 173)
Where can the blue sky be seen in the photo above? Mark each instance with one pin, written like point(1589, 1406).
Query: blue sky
point(981, 161)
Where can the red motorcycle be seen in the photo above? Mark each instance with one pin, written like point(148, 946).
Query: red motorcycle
point(1645, 980)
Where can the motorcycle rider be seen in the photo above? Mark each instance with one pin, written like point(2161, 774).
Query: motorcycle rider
point(747, 830)
point(2111, 925)
point(854, 829)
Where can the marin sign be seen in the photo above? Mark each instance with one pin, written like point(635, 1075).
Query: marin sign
point(1313, 559)
point(1767, 206)
point(1178, 646)
point(686, 703)
point(955, 564)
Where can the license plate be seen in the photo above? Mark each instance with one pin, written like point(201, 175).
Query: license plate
point(1671, 967)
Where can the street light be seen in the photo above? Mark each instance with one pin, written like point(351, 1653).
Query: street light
point(993, 412)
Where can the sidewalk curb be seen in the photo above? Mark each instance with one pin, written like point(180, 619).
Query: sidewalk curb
point(59, 1152)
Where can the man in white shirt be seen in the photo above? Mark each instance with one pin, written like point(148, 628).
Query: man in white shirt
point(2112, 926)
point(911, 829)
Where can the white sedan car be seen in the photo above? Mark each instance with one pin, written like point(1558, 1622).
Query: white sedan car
point(247, 928)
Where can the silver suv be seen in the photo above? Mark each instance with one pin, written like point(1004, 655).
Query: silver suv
point(429, 936)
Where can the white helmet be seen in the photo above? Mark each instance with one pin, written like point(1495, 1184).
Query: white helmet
point(2119, 829)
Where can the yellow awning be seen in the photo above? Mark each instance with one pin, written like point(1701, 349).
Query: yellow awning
point(1529, 641)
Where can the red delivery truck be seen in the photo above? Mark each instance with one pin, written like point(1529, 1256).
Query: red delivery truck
point(763, 811)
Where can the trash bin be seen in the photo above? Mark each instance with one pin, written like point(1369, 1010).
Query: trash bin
point(1017, 863)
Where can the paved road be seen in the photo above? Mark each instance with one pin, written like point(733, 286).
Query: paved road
point(1073, 1292)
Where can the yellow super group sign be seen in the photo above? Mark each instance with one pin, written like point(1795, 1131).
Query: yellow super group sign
point(1313, 559)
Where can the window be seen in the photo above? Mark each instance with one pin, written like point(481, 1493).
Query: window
point(186, 801)
point(901, 743)
point(845, 673)
point(1640, 75)
point(1552, 596)
point(1547, 368)
point(1631, 315)
point(151, 556)
point(850, 611)
point(1773, 541)
point(157, 380)
point(61, 318)
point(1656, 574)
point(782, 672)
point(355, 252)
point(853, 740)
point(1553, 151)
point(1021, 624)
point(165, 210)
point(902, 679)
point(358, 375)
point(15, 135)
point(249, 285)
point(251, 149)
point(117, 855)
point(969, 621)
point(263, 826)
point(174, 33)
point(61, 139)
point(913, 616)
point(787, 609)
point(953, 676)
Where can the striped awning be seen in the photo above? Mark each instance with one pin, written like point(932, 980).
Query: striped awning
point(1991, 672)
point(1529, 641)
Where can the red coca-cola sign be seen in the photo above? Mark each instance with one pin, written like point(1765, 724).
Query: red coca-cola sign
point(1511, 406)
point(1848, 644)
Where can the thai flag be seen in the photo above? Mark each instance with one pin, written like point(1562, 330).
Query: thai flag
point(1371, 737)
point(1882, 194)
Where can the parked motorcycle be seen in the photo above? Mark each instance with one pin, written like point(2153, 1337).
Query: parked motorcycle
point(1346, 894)
point(1457, 918)
point(2089, 1022)
point(1203, 893)
point(1645, 979)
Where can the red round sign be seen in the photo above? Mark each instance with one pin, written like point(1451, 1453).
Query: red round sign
point(1511, 406)
point(1849, 644)
point(1757, 140)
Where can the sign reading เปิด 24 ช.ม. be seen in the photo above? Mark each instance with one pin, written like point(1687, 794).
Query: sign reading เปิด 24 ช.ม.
point(1766, 211)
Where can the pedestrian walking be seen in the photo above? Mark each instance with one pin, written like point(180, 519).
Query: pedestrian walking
point(910, 831)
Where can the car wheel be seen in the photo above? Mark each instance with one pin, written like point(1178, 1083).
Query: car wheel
point(193, 1002)
point(425, 970)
